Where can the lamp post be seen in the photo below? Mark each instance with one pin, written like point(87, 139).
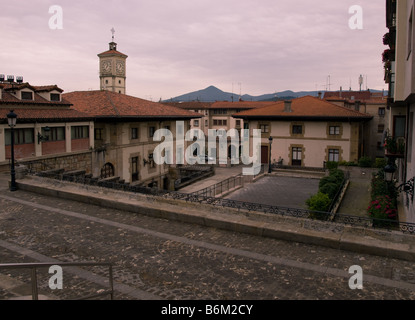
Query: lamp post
point(270, 165)
point(11, 120)
point(389, 171)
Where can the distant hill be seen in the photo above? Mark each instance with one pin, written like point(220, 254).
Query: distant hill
point(212, 94)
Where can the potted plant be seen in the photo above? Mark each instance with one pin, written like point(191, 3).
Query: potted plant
point(393, 147)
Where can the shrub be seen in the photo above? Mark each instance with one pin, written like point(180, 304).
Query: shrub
point(338, 174)
point(380, 163)
point(332, 165)
point(365, 162)
point(330, 189)
point(328, 179)
point(318, 202)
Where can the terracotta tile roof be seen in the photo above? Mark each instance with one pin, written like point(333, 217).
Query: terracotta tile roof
point(308, 107)
point(112, 52)
point(8, 98)
point(107, 104)
point(191, 105)
point(47, 88)
point(46, 115)
point(241, 104)
point(195, 105)
point(357, 95)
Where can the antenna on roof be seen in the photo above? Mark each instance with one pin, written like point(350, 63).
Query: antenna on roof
point(329, 83)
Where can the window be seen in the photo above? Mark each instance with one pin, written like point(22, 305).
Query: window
point(27, 95)
point(196, 123)
point(55, 97)
point(55, 134)
point(206, 123)
point(381, 128)
point(238, 123)
point(99, 133)
point(334, 130)
point(334, 155)
point(220, 122)
point(21, 136)
point(134, 169)
point(79, 132)
point(297, 156)
point(107, 171)
point(219, 111)
point(151, 131)
point(297, 129)
point(106, 81)
point(246, 130)
point(381, 112)
point(399, 124)
point(264, 128)
point(152, 163)
point(134, 133)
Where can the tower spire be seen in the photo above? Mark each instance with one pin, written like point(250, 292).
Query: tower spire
point(113, 45)
point(113, 32)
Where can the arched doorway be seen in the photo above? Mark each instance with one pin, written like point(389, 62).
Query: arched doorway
point(107, 171)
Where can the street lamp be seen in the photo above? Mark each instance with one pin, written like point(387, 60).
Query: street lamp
point(269, 165)
point(389, 171)
point(11, 120)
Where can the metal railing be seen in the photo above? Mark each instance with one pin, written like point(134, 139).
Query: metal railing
point(337, 198)
point(241, 205)
point(221, 187)
point(35, 266)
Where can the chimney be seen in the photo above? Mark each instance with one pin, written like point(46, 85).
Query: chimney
point(341, 91)
point(357, 105)
point(287, 106)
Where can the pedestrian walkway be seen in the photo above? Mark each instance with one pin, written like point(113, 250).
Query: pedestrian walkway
point(357, 196)
point(221, 174)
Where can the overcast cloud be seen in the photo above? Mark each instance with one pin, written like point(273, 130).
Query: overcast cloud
point(175, 47)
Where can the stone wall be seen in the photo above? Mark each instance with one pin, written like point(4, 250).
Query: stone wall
point(72, 161)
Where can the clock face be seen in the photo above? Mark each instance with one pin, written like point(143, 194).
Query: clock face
point(106, 66)
point(120, 67)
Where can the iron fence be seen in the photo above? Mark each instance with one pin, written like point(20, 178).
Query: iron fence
point(221, 187)
point(241, 205)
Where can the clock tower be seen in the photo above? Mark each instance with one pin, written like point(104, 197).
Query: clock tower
point(112, 72)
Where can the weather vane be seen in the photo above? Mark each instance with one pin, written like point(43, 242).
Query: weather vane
point(113, 31)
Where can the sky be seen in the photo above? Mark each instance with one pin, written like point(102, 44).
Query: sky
point(175, 47)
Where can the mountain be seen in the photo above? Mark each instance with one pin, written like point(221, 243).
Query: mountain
point(212, 94)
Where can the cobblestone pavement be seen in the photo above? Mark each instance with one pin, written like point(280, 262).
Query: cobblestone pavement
point(160, 259)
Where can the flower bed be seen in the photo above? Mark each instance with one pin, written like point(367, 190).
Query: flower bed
point(384, 200)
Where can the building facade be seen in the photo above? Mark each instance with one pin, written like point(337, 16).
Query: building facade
point(399, 63)
point(46, 124)
point(124, 136)
point(372, 103)
point(306, 132)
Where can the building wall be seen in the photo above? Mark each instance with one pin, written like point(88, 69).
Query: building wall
point(315, 141)
point(119, 146)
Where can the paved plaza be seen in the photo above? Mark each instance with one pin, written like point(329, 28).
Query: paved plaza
point(160, 259)
point(280, 191)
